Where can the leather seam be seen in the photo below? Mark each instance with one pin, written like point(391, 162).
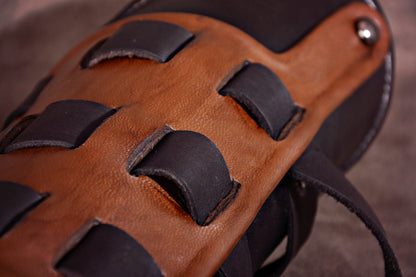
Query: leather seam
point(231, 74)
point(292, 123)
point(146, 147)
point(14, 131)
point(224, 203)
point(74, 240)
point(19, 217)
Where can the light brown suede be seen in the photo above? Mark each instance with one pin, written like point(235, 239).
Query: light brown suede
point(92, 181)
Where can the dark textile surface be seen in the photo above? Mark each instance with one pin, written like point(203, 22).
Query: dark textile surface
point(35, 34)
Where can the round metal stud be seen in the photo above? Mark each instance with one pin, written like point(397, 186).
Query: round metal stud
point(301, 188)
point(367, 31)
point(302, 185)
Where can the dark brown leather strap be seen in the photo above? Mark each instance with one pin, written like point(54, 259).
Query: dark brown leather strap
point(239, 262)
point(315, 170)
point(15, 201)
point(301, 214)
point(290, 209)
point(192, 170)
point(63, 124)
point(108, 251)
point(154, 40)
point(263, 95)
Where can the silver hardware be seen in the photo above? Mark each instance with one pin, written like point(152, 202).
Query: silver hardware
point(367, 31)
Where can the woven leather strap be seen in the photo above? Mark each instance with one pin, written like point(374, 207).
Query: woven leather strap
point(314, 169)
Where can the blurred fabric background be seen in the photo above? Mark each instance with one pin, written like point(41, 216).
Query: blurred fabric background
point(35, 34)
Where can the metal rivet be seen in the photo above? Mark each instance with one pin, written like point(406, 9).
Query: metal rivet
point(301, 188)
point(302, 185)
point(367, 31)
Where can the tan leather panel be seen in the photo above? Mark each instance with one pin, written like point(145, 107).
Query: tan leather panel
point(92, 181)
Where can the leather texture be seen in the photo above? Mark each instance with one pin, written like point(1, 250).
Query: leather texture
point(243, 15)
point(15, 202)
point(64, 124)
point(107, 251)
point(279, 29)
point(358, 125)
point(13, 131)
point(192, 170)
point(239, 262)
point(316, 170)
point(302, 207)
point(154, 40)
point(263, 95)
point(186, 99)
point(289, 210)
